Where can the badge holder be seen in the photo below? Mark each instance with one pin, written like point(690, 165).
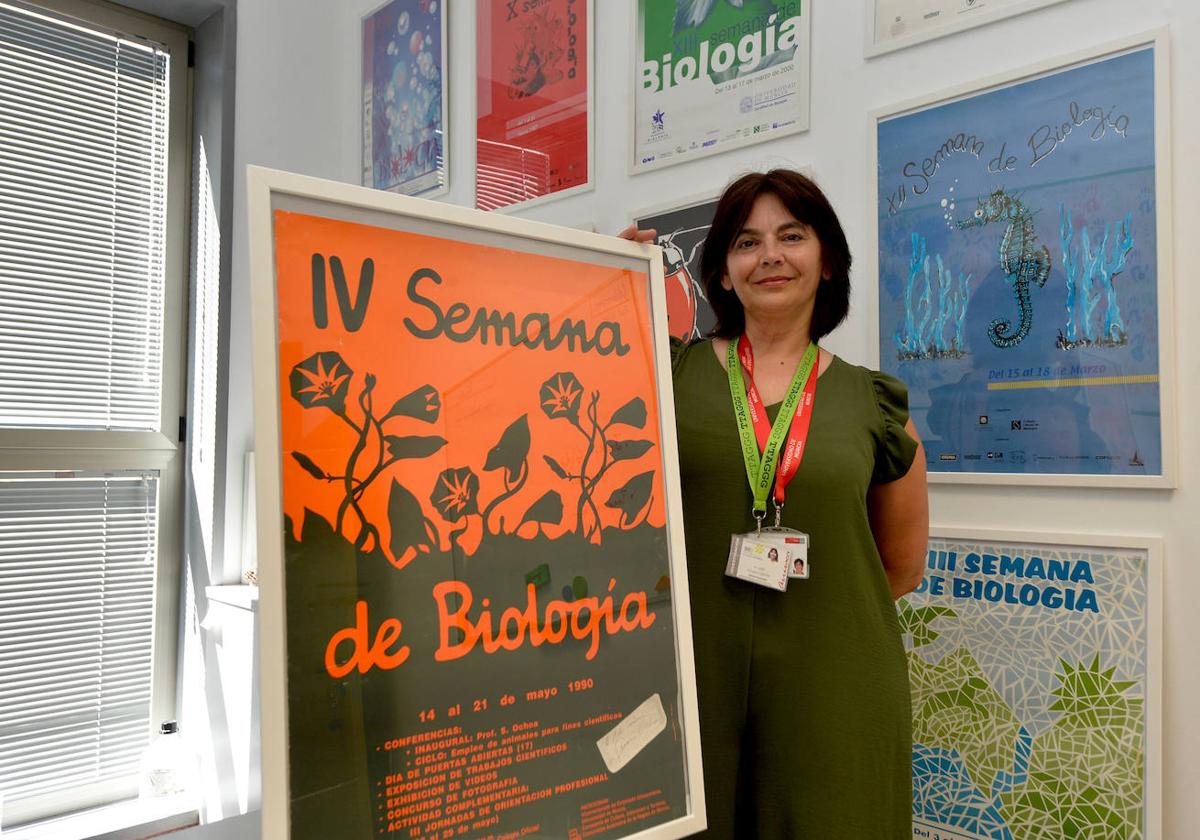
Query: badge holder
point(769, 556)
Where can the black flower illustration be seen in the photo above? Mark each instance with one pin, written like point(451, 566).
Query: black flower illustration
point(454, 493)
point(560, 396)
point(321, 379)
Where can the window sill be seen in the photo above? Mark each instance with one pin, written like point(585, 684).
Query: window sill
point(133, 819)
point(241, 595)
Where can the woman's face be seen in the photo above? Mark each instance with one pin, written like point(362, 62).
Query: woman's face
point(774, 265)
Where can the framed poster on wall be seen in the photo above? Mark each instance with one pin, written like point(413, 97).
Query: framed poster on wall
point(474, 606)
point(681, 227)
point(713, 76)
point(1024, 271)
point(895, 24)
point(534, 135)
point(1035, 664)
point(405, 96)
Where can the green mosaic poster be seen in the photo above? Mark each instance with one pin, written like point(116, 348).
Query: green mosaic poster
point(1034, 686)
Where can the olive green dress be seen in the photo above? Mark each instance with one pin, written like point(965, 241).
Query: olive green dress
point(803, 695)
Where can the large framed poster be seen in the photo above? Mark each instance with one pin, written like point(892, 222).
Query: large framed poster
point(1035, 664)
point(895, 24)
point(681, 227)
point(534, 136)
point(712, 76)
point(404, 116)
point(1024, 271)
point(474, 609)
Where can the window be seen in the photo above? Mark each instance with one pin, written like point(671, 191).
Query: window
point(93, 261)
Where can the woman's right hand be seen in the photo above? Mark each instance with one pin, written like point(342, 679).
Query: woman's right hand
point(634, 235)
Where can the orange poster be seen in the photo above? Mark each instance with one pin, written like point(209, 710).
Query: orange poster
point(481, 634)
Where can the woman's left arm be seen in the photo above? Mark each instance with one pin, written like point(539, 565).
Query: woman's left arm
point(899, 516)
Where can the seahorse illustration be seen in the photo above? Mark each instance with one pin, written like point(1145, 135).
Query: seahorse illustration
point(1022, 258)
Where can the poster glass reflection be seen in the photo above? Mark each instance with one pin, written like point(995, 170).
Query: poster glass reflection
point(1024, 277)
point(1035, 667)
point(474, 605)
point(533, 101)
point(404, 89)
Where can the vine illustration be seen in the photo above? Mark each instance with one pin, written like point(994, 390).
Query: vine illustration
point(324, 380)
point(561, 398)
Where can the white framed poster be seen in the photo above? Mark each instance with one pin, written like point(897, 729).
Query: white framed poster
point(1024, 270)
point(535, 94)
point(680, 229)
point(895, 24)
point(713, 76)
point(405, 93)
point(1036, 669)
point(474, 607)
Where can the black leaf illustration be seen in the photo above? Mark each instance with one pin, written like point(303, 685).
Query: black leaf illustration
point(547, 510)
point(632, 496)
point(423, 404)
point(406, 519)
point(633, 413)
point(512, 449)
point(627, 450)
point(310, 466)
point(554, 466)
point(413, 446)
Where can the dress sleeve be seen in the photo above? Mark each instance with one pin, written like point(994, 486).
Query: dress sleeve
point(896, 448)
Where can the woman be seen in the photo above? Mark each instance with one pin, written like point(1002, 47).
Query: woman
point(776, 271)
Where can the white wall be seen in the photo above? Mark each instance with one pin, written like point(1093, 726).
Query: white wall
point(298, 109)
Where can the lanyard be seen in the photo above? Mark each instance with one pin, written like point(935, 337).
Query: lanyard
point(792, 422)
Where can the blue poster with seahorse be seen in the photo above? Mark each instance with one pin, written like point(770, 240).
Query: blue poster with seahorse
point(1018, 272)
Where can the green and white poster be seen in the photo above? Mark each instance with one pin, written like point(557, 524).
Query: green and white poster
point(713, 75)
point(1034, 669)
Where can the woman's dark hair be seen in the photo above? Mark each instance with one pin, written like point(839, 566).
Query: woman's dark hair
point(804, 200)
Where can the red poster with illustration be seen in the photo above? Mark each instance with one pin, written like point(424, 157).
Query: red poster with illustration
point(481, 633)
point(532, 91)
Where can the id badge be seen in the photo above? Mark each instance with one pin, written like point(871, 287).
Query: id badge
point(795, 543)
point(760, 559)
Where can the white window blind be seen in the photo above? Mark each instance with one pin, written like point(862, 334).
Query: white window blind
point(88, 481)
point(83, 155)
point(76, 628)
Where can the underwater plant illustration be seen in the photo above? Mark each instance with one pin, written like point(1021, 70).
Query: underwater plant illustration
point(561, 398)
point(1023, 259)
point(323, 381)
point(924, 334)
point(1091, 274)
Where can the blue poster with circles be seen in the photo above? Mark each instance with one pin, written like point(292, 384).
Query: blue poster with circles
point(1019, 273)
point(404, 98)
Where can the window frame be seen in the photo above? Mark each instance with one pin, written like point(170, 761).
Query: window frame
point(71, 450)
